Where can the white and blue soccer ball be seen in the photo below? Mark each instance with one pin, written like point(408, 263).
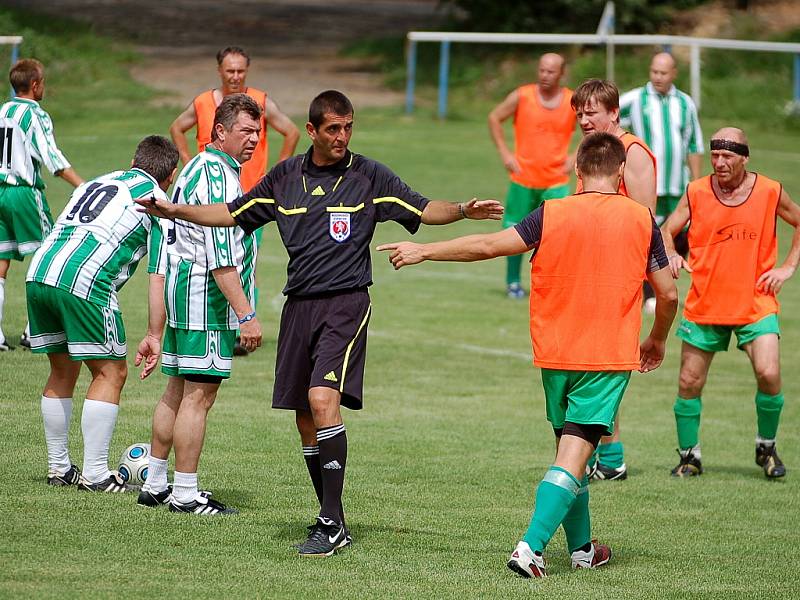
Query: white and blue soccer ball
point(133, 464)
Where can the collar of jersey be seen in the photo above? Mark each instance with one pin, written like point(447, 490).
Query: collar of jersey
point(232, 162)
point(337, 168)
point(25, 100)
point(144, 174)
point(672, 91)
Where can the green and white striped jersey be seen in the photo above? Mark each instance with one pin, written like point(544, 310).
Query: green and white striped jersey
point(668, 124)
point(193, 299)
point(27, 143)
point(100, 237)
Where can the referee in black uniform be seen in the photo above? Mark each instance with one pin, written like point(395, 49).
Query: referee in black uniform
point(326, 204)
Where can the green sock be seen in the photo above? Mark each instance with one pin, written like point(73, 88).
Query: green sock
point(687, 419)
point(768, 410)
point(611, 454)
point(577, 524)
point(554, 497)
point(513, 267)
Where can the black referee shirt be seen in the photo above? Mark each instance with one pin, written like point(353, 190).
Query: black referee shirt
point(326, 217)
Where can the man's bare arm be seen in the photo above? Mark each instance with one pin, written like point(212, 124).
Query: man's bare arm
point(695, 165)
point(772, 281)
point(177, 131)
point(500, 113)
point(228, 282)
point(670, 228)
point(149, 349)
point(640, 177)
point(70, 176)
point(283, 125)
point(652, 348)
point(440, 212)
point(469, 248)
point(209, 215)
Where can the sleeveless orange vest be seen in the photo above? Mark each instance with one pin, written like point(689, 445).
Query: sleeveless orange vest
point(730, 247)
point(541, 138)
point(628, 140)
point(205, 107)
point(586, 283)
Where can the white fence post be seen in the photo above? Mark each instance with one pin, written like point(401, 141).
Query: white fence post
point(694, 70)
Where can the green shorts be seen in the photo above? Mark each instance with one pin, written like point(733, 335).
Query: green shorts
point(63, 323)
point(189, 352)
point(665, 206)
point(25, 220)
point(521, 201)
point(583, 397)
point(716, 338)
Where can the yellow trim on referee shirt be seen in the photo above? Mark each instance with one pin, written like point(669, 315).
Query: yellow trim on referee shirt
point(402, 203)
point(350, 347)
point(292, 211)
point(345, 209)
point(252, 202)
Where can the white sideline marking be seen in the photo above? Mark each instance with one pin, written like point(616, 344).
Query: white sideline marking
point(526, 356)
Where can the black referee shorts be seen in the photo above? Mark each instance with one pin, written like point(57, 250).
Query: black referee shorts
point(322, 342)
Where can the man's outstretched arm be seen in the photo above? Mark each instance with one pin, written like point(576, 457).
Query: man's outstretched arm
point(469, 248)
point(208, 215)
point(439, 212)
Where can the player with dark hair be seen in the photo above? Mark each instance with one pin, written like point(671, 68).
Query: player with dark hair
point(72, 286)
point(611, 243)
point(209, 295)
point(26, 131)
point(326, 204)
point(733, 249)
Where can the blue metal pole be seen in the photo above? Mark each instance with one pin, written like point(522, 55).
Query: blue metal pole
point(14, 59)
point(444, 67)
point(797, 77)
point(411, 74)
point(667, 48)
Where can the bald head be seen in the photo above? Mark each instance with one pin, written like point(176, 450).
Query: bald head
point(663, 70)
point(551, 69)
point(734, 134)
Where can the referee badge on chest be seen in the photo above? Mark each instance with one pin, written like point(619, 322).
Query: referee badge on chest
point(339, 226)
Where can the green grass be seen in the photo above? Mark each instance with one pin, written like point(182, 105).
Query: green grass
point(445, 456)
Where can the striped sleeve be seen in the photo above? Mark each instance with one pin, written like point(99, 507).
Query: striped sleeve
point(626, 109)
point(157, 249)
point(695, 134)
point(44, 143)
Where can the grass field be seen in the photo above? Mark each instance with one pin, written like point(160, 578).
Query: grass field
point(444, 458)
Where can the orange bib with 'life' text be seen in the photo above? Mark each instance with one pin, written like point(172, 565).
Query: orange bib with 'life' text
point(628, 140)
point(730, 247)
point(586, 283)
point(253, 170)
point(541, 139)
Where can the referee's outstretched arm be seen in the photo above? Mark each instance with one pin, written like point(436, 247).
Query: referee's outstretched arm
point(439, 212)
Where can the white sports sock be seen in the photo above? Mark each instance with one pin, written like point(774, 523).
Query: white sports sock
point(765, 441)
point(156, 474)
point(97, 424)
point(695, 450)
point(2, 302)
point(56, 414)
point(184, 488)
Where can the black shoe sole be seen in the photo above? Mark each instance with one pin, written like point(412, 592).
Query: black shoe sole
point(512, 564)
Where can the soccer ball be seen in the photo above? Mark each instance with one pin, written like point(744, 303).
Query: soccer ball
point(133, 464)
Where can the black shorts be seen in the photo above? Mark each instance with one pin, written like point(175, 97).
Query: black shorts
point(322, 342)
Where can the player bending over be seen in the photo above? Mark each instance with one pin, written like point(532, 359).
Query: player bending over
point(74, 314)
